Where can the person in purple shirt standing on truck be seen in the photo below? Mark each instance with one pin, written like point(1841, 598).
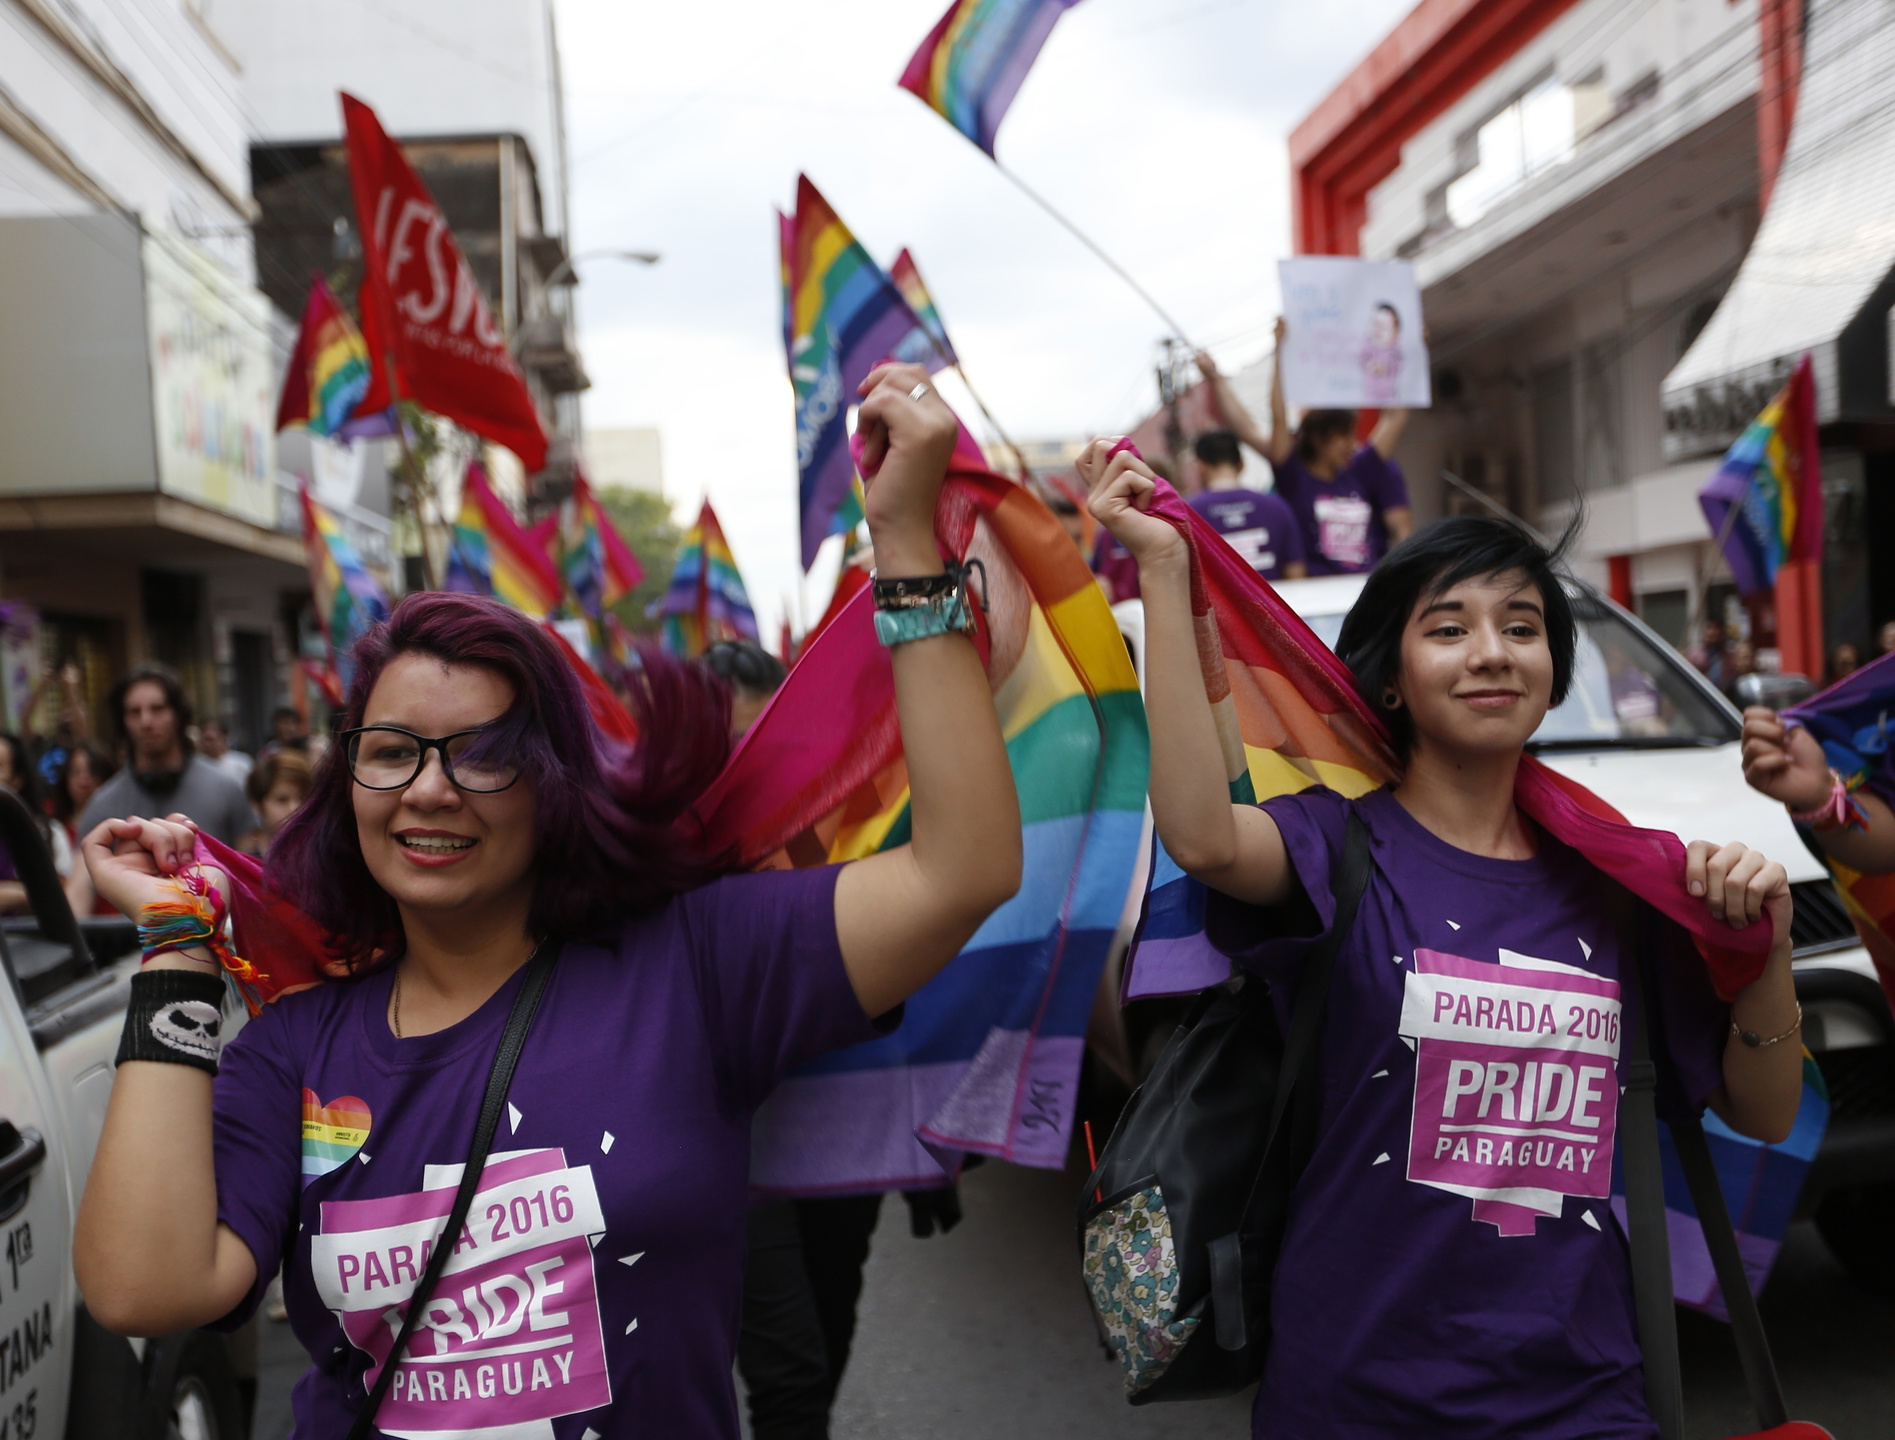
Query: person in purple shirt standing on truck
point(1451, 1265)
point(1259, 526)
point(468, 813)
point(1350, 499)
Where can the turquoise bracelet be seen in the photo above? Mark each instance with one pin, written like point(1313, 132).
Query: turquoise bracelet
point(919, 622)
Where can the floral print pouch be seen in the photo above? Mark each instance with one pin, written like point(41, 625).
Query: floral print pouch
point(1131, 1270)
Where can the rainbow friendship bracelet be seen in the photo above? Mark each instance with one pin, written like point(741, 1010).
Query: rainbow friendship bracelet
point(195, 918)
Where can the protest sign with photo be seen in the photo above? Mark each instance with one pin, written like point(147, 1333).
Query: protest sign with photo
point(1355, 334)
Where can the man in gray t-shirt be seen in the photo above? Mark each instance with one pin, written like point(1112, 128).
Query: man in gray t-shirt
point(162, 775)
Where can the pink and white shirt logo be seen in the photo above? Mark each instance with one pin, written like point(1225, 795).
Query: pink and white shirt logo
point(512, 1335)
point(1342, 528)
point(1516, 1083)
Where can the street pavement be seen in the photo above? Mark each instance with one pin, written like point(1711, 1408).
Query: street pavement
point(984, 1334)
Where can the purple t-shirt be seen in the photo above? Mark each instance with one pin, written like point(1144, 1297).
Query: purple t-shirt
point(1114, 564)
point(1258, 526)
point(1343, 529)
point(596, 1287)
point(1452, 1266)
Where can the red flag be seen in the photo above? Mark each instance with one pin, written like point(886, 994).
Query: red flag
point(422, 310)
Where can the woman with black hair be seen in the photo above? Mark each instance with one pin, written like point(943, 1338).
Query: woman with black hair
point(1350, 499)
point(1452, 1266)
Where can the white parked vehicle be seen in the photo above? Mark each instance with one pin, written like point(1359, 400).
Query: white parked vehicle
point(61, 1373)
point(1649, 735)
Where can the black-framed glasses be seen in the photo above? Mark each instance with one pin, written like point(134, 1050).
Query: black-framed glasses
point(387, 757)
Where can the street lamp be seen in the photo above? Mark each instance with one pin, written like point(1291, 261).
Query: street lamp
point(563, 271)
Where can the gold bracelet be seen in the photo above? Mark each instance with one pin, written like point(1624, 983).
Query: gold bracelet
point(1758, 1042)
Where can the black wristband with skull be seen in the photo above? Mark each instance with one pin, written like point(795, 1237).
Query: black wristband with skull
point(176, 1017)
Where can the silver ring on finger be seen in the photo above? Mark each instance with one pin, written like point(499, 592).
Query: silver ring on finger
point(919, 391)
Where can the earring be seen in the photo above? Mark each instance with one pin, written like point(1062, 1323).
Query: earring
point(1390, 700)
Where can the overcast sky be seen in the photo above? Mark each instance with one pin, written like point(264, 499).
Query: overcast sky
point(1157, 125)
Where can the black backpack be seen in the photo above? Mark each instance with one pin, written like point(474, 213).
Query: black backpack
point(1184, 1213)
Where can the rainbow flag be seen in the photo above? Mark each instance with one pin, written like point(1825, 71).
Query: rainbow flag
point(986, 1058)
point(972, 64)
point(928, 343)
point(597, 565)
point(490, 554)
point(329, 373)
point(1766, 500)
point(706, 601)
point(845, 317)
point(348, 599)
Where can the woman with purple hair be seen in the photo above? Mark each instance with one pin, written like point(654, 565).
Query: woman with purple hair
point(468, 818)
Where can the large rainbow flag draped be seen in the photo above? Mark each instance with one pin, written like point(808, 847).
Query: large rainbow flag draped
point(348, 599)
point(986, 1058)
point(1772, 479)
point(706, 601)
point(329, 374)
point(843, 318)
point(1850, 720)
point(973, 62)
point(490, 554)
point(928, 343)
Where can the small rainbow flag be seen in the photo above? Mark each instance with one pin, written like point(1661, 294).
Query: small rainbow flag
point(598, 566)
point(348, 599)
point(1766, 500)
point(972, 64)
point(928, 344)
point(490, 554)
point(333, 1134)
point(707, 601)
point(329, 374)
point(845, 317)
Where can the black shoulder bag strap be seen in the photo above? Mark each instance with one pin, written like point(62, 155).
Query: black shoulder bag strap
point(1645, 1207)
point(1645, 1186)
point(539, 969)
point(1297, 1078)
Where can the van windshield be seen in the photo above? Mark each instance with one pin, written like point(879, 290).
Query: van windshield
point(1627, 693)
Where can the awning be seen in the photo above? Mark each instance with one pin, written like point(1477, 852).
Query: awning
point(1818, 275)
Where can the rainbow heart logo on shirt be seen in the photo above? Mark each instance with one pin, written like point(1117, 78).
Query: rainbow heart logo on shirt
point(332, 1133)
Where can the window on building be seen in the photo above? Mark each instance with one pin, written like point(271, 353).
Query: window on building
point(1532, 133)
point(1553, 435)
point(1601, 415)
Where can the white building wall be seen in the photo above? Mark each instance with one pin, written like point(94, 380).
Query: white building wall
point(143, 103)
point(428, 67)
point(1701, 55)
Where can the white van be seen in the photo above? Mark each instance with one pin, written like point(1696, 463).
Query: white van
point(1649, 735)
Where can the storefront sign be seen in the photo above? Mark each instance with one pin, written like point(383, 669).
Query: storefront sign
point(213, 382)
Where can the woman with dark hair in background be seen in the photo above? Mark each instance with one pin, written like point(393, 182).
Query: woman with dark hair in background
point(1433, 1281)
point(82, 770)
point(468, 814)
point(1350, 499)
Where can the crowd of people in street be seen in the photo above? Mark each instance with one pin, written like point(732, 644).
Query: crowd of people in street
point(480, 860)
